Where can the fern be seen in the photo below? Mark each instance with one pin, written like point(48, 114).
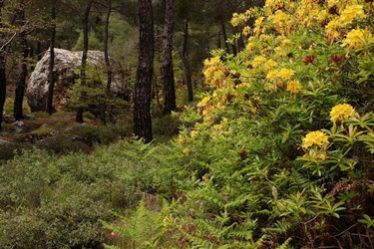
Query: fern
point(286, 244)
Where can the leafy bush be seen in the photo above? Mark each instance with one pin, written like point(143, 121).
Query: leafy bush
point(58, 202)
point(60, 145)
point(91, 134)
point(10, 150)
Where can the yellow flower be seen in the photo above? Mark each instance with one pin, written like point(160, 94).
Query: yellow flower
point(193, 135)
point(270, 64)
point(212, 61)
point(272, 74)
point(181, 140)
point(280, 51)
point(258, 60)
point(279, 17)
point(286, 74)
point(186, 152)
point(350, 13)
point(204, 102)
point(315, 138)
point(356, 38)
point(246, 31)
point(342, 112)
point(294, 86)
point(258, 23)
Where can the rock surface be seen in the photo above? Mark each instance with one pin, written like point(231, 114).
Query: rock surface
point(66, 71)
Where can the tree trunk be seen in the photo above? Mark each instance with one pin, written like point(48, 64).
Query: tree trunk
point(51, 76)
point(167, 68)
point(38, 50)
point(219, 45)
point(142, 91)
point(79, 115)
point(21, 81)
point(2, 72)
point(31, 55)
point(186, 62)
point(224, 34)
point(107, 105)
point(2, 85)
point(240, 41)
point(106, 47)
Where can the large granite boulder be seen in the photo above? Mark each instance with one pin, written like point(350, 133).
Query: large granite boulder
point(66, 71)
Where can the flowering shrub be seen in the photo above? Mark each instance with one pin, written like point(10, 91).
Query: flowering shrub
point(258, 145)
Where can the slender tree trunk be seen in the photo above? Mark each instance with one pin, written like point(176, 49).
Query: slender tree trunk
point(106, 46)
point(224, 34)
point(107, 105)
point(38, 50)
point(219, 44)
point(240, 41)
point(51, 76)
point(2, 85)
point(167, 68)
point(79, 115)
point(2, 72)
point(31, 55)
point(21, 81)
point(142, 91)
point(186, 62)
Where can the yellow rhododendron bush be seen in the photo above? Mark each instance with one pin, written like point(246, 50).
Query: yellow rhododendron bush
point(282, 142)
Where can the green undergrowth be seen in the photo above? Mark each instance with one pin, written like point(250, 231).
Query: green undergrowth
point(49, 201)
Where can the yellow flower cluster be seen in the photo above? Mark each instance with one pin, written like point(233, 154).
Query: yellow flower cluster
point(315, 138)
point(282, 21)
point(194, 135)
point(258, 23)
point(294, 86)
point(275, 4)
point(356, 38)
point(214, 71)
point(342, 112)
point(284, 74)
point(204, 102)
point(186, 152)
point(246, 31)
point(238, 19)
point(269, 64)
point(258, 60)
point(350, 13)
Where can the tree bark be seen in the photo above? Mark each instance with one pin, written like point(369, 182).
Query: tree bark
point(219, 45)
point(106, 46)
point(79, 115)
point(2, 72)
point(142, 91)
point(224, 34)
point(2, 85)
point(167, 68)
point(21, 81)
point(104, 109)
point(186, 62)
point(38, 50)
point(51, 76)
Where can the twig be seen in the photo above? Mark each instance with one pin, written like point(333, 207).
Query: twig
point(8, 42)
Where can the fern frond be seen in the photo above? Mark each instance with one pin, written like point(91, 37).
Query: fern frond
point(286, 244)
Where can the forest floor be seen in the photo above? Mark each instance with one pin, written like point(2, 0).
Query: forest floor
point(60, 134)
